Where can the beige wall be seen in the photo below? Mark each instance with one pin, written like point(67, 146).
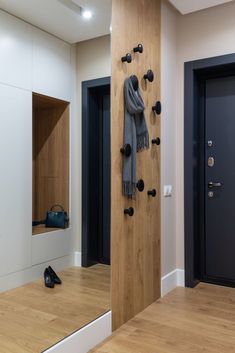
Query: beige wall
point(168, 127)
point(93, 61)
point(200, 35)
point(203, 34)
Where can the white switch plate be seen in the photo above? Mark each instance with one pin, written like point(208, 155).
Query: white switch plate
point(167, 190)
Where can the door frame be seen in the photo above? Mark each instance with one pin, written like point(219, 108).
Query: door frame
point(86, 113)
point(194, 74)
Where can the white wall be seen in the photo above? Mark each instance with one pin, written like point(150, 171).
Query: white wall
point(30, 61)
point(93, 61)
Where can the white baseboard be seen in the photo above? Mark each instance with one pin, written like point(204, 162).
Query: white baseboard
point(87, 338)
point(172, 280)
point(77, 258)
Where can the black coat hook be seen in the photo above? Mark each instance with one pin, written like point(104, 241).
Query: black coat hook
point(152, 193)
point(129, 211)
point(127, 58)
point(126, 150)
point(157, 108)
point(149, 76)
point(156, 141)
point(139, 49)
point(140, 185)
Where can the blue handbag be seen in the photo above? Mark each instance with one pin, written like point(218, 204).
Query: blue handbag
point(57, 219)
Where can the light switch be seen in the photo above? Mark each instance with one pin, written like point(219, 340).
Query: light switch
point(167, 190)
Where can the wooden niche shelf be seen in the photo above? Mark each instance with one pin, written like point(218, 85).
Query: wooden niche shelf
point(50, 157)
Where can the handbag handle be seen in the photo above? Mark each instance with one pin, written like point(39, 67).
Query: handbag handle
point(54, 206)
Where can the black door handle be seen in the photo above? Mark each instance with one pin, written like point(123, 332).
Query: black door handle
point(129, 211)
point(138, 49)
point(157, 108)
point(152, 193)
point(140, 185)
point(127, 58)
point(149, 76)
point(214, 185)
point(156, 141)
point(126, 150)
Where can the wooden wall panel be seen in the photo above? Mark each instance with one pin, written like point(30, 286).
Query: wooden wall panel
point(50, 155)
point(136, 240)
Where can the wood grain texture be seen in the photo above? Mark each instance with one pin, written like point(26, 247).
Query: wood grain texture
point(136, 240)
point(34, 317)
point(185, 321)
point(50, 155)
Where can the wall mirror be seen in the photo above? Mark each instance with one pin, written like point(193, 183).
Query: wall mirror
point(55, 68)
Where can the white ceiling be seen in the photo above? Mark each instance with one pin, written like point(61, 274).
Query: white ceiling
point(187, 6)
point(53, 17)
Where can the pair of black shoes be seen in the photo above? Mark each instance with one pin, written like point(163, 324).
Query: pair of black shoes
point(51, 278)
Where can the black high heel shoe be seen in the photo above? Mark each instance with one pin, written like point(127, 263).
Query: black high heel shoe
point(54, 276)
point(49, 281)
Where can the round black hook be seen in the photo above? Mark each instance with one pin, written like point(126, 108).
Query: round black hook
point(152, 193)
point(157, 108)
point(156, 141)
point(149, 76)
point(129, 211)
point(138, 49)
point(140, 185)
point(126, 150)
point(127, 58)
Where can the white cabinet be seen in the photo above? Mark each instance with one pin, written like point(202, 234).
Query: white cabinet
point(15, 52)
point(53, 245)
point(52, 74)
point(15, 179)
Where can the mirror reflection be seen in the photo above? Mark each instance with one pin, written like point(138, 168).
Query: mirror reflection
point(55, 68)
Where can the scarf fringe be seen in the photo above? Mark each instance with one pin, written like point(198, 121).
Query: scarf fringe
point(128, 188)
point(143, 141)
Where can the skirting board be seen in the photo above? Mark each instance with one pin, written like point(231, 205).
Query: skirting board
point(77, 258)
point(172, 280)
point(87, 338)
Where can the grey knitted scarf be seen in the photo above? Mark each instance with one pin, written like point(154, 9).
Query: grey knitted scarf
point(135, 133)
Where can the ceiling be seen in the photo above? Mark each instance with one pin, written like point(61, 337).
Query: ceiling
point(60, 20)
point(188, 6)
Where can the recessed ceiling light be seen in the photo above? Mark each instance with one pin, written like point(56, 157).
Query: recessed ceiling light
point(86, 14)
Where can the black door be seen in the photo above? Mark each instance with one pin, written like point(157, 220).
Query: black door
point(219, 242)
point(96, 172)
point(105, 189)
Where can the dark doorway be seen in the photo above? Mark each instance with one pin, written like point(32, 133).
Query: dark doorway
point(210, 171)
point(96, 188)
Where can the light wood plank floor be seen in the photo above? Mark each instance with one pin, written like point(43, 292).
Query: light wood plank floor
point(33, 318)
point(185, 321)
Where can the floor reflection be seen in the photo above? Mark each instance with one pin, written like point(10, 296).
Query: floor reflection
point(35, 317)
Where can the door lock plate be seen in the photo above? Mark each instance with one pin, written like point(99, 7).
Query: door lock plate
point(210, 194)
point(211, 162)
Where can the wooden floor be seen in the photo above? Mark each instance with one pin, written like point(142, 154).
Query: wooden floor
point(33, 318)
point(185, 321)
